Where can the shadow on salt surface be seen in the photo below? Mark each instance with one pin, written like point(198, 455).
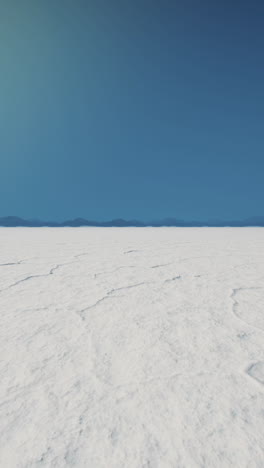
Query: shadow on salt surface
point(256, 371)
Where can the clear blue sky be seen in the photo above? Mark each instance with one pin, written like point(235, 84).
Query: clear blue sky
point(132, 108)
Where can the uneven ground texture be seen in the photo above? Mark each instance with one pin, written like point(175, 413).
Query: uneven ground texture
point(132, 348)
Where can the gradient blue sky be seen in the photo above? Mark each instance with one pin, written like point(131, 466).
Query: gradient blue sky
point(135, 109)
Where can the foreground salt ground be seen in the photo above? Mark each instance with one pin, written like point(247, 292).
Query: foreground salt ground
point(132, 348)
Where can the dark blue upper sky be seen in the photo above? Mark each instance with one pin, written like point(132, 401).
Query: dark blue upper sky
point(136, 109)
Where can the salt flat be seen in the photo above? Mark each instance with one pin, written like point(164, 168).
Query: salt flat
point(132, 347)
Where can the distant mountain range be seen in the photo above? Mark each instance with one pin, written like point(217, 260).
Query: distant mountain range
point(14, 221)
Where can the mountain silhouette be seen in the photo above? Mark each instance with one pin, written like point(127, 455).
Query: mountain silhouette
point(15, 221)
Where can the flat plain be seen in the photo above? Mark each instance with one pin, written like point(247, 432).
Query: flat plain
point(132, 347)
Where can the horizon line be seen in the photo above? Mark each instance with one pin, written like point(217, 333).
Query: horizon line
point(16, 221)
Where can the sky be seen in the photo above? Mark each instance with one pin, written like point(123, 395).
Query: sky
point(136, 109)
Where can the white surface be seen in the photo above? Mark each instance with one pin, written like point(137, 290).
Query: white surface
point(130, 348)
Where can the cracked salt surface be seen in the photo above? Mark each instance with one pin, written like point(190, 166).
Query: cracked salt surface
point(151, 359)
